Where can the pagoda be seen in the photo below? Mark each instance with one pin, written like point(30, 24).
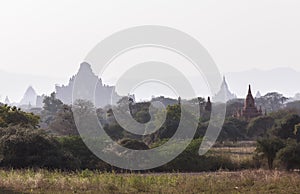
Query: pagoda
point(224, 93)
point(249, 110)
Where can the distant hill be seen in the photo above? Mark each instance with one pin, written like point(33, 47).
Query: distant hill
point(283, 80)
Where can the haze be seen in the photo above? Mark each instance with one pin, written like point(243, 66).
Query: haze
point(51, 38)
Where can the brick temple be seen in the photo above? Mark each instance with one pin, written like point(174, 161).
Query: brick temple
point(249, 110)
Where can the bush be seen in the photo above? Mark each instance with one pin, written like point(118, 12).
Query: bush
point(268, 148)
point(191, 161)
point(28, 148)
point(259, 126)
point(13, 116)
point(290, 155)
point(286, 127)
point(80, 152)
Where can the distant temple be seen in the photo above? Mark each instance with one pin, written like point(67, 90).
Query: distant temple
point(104, 94)
point(258, 95)
point(29, 98)
point(7, 101)
point(208, 105)
point(224, 93)
point(40, 101)
point(249, 110)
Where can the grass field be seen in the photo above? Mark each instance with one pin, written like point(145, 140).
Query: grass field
point(42, 181)
point(236, 154)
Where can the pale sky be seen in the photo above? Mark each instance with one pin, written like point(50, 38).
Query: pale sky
point(51, 38)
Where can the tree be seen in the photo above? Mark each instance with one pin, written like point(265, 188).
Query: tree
point(76, 146)
point(172, 122)
point(295, 105)
point(233, 129)
point(52, 104)
point(272, 101)
point(297, 132)
point(133, 144)
point(268, 148)
point(259, 126)
point(290, 155)
point(85, 117)
point(124, 101)
point(63, 122)
point(232, 106)
point(285, 127)
point(12, 116)
point(27, 148)
point(190, 160)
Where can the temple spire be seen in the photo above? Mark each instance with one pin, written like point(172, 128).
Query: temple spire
point(250, 110)
point(249, 90)
point(208, 105)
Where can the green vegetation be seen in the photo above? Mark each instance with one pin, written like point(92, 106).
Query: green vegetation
point(269, 147)
point(281, 144)
point(68, 166)
point(28, 148)
point(12, 116)
point(60, 146)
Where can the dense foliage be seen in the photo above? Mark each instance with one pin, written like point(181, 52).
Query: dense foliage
point(58, 144)
point(12, 116)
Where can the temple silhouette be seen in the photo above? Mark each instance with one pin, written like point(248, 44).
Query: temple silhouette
point(249, 110)
point(224, 93)
point(104, 94)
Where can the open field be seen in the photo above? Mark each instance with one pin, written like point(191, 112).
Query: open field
point(42, 181)
point(237, 152)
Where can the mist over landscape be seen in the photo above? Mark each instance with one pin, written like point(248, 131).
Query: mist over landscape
point(274, 80)
point(152, 96)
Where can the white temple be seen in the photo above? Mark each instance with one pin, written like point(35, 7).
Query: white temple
point(224, 93)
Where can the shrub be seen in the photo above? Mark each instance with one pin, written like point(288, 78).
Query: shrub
point(290, 155)
point(80, 152)
point(191, 161)
point(28, 148)
point(269, 147)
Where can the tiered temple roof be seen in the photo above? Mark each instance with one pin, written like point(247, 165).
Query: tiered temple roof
point(249, 110)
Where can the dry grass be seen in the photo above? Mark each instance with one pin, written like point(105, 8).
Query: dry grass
point(42, 181)
point(236, 154)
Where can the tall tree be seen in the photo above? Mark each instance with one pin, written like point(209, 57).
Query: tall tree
point(52, 104)
point(272, 101)
point(285, 127)
point(63, 123)
point(269, 147)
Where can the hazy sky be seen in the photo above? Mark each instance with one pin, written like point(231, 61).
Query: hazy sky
point(51, 38)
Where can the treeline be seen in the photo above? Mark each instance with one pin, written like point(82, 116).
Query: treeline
point(28, 148)
point(23, 144)
point(51, 140)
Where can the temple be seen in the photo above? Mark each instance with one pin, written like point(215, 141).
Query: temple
point(86, 80)
point(7, 101)
point(224, 93)
point(208, 105)
point(29, 97)
point(249, 110)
